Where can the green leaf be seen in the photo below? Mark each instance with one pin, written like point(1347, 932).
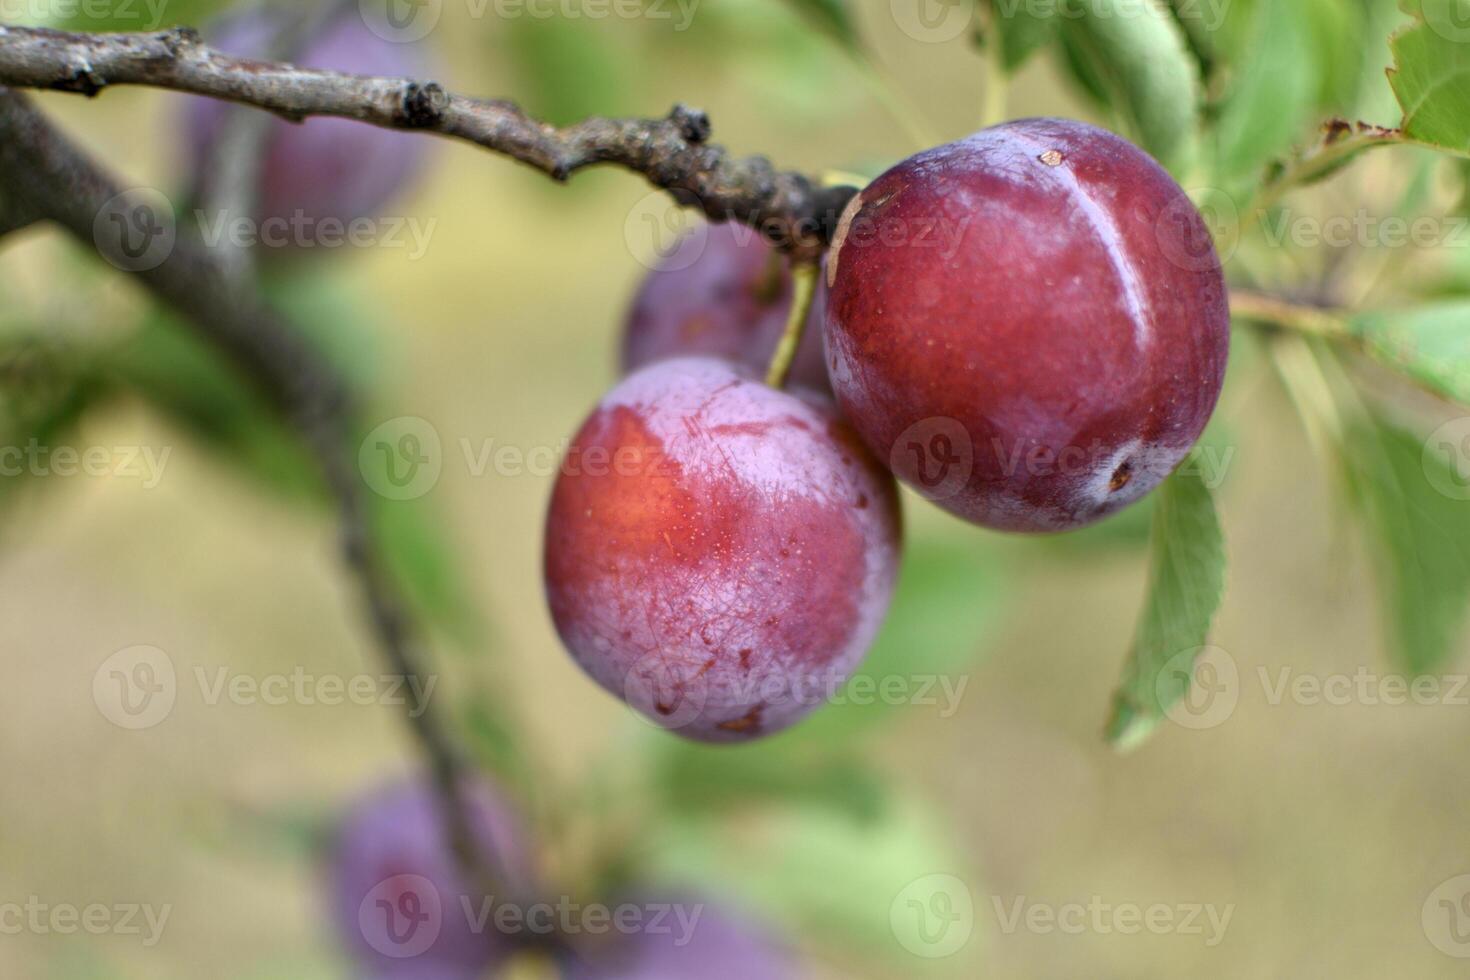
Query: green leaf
point(415, 545)
point(1138, 55)
point(1023, 27)
point(333, 317)
point(191, 384)
point(570, 69)
point(1337, 38)
point(1431, 73)
point(1407, 493)
point(949, 600)
point(815, 869)
point(45, 387)
point(1431, 344)
point(1201, 24)
point(834, 17)
point(694, 778)
point(1186, 583)
point(134, 15)
point(1271, 100)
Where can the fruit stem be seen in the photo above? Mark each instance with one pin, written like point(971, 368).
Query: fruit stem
point(1276, 312)
point(767, 288)
point(997, 80)
point(804, 288)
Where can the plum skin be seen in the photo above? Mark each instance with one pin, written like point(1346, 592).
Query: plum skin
point(321, 168)
point(390, 846)
point(720, 944)
point(719, 553)
point(714, 295)
point(1029, 325)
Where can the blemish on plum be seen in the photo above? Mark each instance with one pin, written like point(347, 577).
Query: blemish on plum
point(1122, 476)
point(750, 720)
point(1052, 158)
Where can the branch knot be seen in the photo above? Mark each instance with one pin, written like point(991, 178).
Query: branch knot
point(693, 124)
point(423, 105)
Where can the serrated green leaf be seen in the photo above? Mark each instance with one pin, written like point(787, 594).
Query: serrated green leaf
point(1420, 535)
point(1431, 73)
point(1138, 55)
point(1186, 582)
point(1429, 343)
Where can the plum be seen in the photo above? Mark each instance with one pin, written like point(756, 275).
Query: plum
point(719, 553)
point(1029, 325)
point(716, 294)
point(698, 940)
point(321, 168)
point(397, 895)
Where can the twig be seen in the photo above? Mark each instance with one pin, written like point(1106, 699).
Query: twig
point(672, 153)
point(803, 289)
point(1340, 142)
point(15, 214)
point(38, 165)
point(1291, 316)
point(228, 183)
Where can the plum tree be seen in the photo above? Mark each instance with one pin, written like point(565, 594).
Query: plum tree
point(703, 940)
point(720, 293)
point(397, 893)
point(719, 553)
point(321, 168)
point(1029, 325)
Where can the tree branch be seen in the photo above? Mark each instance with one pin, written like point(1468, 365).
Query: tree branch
point(58, 182)
point(15, 214)
point(794, 212)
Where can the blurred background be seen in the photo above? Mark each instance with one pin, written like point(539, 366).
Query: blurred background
point(1279, 833)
